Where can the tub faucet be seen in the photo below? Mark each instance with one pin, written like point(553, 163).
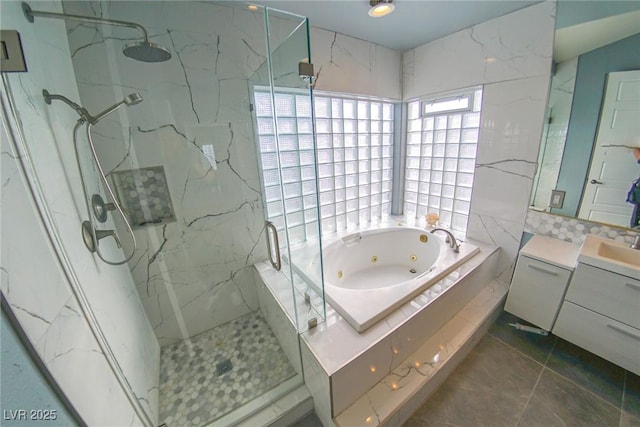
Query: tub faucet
point(453, 243)
point(636, 243)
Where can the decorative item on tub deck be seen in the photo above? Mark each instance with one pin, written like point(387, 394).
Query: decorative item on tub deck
point(432, 219)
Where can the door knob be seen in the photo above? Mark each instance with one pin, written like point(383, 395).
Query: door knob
point(595, 181)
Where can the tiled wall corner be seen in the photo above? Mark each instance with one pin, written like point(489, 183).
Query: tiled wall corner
point(511, 57)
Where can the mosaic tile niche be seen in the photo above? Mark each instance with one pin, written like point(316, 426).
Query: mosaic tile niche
point(144, 193)
point(572, 229)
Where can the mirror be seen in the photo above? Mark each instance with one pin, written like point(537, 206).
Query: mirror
point(592, 40)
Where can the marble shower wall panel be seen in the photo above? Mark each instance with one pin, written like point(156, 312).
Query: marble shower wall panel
point(511, 57)
point(191, 274)
point(513, 46)
point(42, 295)
point(349, 65)
point(512, 117)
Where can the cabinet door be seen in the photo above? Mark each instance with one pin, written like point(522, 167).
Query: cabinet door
point(615, 341)
point(537, 290)
point(613, 295)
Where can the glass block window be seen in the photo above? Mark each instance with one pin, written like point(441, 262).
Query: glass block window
point(354, 159)
point(442, 137)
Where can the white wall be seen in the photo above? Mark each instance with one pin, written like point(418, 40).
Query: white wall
point(511, 57)
point(34, 281)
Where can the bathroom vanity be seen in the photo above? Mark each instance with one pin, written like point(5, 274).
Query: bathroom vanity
point(542, 274)
point(588, 295)
point(601, 309)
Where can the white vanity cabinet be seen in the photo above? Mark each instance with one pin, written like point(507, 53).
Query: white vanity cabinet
point(540, 280)
point(601, 313)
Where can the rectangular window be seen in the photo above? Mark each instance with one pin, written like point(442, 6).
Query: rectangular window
point(442, 138)
point(354, 143)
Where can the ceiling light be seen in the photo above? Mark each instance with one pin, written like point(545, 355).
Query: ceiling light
point(380, 8)
point(252, 7)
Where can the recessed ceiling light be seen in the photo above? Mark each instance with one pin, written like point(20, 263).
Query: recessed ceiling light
point(252, 7)
point(380, 8)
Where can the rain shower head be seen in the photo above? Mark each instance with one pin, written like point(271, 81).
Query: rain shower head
point(146, 51)
point(140, 51)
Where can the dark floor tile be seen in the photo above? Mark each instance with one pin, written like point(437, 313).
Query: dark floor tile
point(629, 420)
point(556, 401)
point(588, 370)
point(489, 388)
point(310, 420)
point(631, 399)
point(533, 345)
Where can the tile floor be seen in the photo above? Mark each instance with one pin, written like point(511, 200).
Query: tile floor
point(515, 378)
point(193, 391)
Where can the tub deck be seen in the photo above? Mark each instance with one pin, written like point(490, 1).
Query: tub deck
point(367, 296)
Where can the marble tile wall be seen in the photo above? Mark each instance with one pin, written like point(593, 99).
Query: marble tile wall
point(511, 57)
point(195, 273)
point(349, 65)
point(192, 274)
point(39, 273)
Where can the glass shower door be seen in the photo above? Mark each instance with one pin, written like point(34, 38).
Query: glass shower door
point(283, 108)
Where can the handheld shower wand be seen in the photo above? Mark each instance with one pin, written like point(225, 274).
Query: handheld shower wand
point(90, 235)
point(131, 99)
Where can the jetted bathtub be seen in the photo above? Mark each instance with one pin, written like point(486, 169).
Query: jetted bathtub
point(369, 274)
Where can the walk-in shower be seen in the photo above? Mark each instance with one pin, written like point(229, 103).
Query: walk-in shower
point(192, 334)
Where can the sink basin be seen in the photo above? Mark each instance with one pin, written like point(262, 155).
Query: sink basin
point(619, 253)
point(610, 255)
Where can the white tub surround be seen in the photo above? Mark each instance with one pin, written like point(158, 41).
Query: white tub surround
point(511, 56)
point(370, 274)
point(345, 364)
point(393, 400)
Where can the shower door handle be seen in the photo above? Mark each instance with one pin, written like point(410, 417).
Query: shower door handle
point(277, 264)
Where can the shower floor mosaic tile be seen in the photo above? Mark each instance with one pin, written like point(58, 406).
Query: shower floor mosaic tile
point(195, 385)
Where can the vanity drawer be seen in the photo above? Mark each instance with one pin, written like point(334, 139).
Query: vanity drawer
point(610, 294)
point(614, 341)
point(536, 291)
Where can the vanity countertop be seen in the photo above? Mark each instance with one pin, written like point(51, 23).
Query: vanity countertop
point(552, 251)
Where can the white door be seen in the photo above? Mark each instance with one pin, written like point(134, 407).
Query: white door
point(613, 166)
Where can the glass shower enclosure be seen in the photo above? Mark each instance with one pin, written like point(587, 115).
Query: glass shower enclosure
point(199, 160)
